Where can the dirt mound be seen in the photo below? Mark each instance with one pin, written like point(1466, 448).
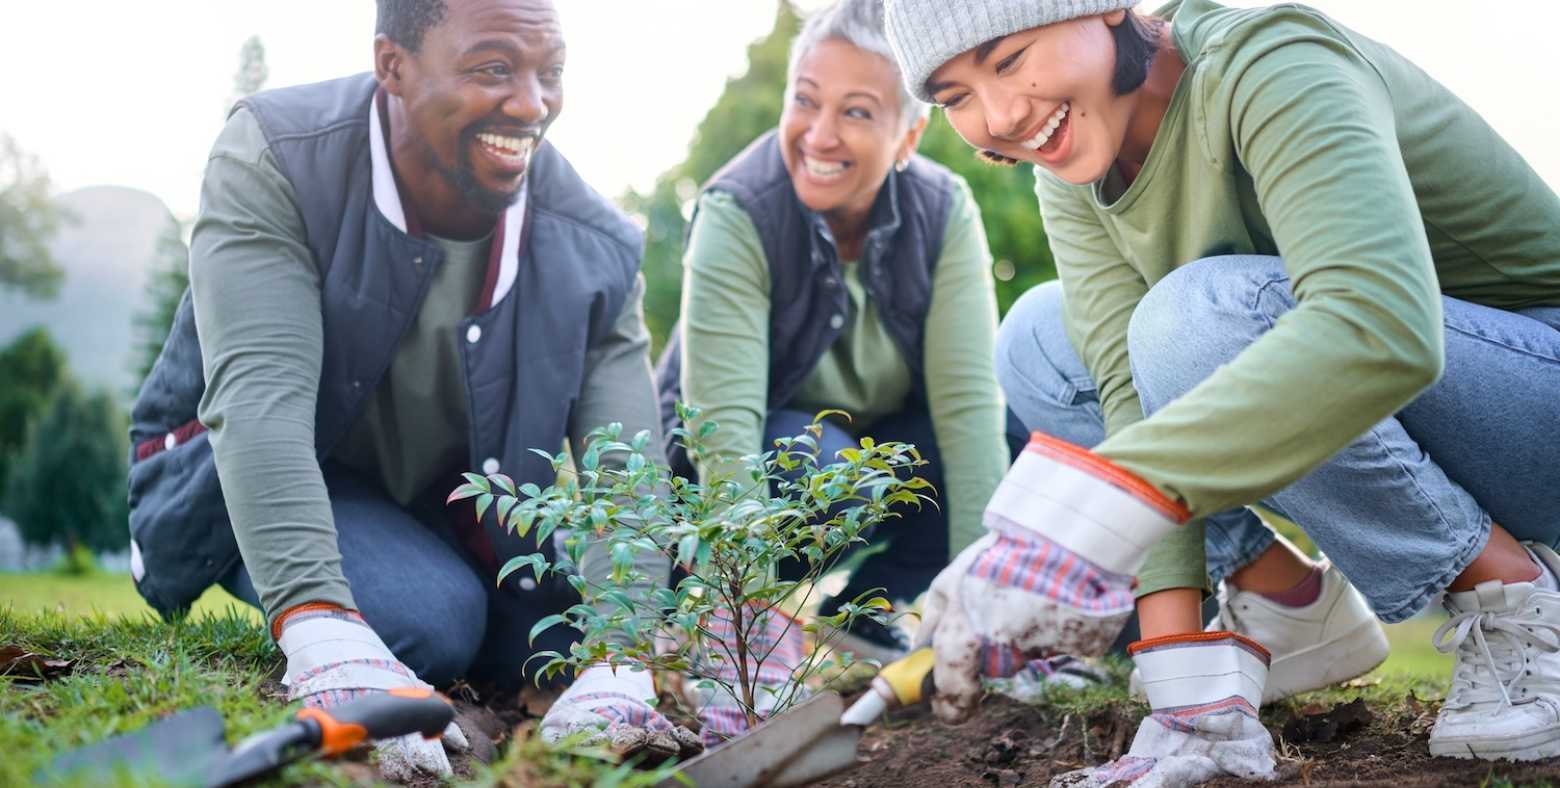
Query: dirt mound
point(1014, 744)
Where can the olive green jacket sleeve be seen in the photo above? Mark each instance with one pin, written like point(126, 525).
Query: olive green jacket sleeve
point(256, 293)
point(1313, 125)
point(619, 388)
point(967, 409)
point(725, 325)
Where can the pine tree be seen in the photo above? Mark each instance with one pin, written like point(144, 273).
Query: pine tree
point(29, 220)
point(68, 484)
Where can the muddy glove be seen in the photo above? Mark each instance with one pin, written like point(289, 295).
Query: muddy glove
point(612, 707)
point(334, 657)
point(1204, 690)
point(1067, 531)
point(778, 647)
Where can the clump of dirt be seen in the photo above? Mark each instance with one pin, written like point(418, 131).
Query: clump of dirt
point(1008, 743)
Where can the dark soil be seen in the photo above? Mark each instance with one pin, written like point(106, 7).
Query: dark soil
point(1013, 744)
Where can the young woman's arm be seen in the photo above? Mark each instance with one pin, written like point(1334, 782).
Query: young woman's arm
point(1312, 123)
point(725, 325)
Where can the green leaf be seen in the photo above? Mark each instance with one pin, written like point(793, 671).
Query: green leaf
point(545, 624)
point(478, 480)
point(687, 548)
point(530, 490)
point(504, 483)
point(505, 503)
point(483, 502)
point(463, 492)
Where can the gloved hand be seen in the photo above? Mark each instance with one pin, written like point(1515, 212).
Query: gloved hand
point(778, 647)
point(333, 657)
point(1204, 690)
point(1067, 532)
point(613, 706)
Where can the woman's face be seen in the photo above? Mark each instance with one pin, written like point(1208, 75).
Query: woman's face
point(1042, 96)
point(840, 131)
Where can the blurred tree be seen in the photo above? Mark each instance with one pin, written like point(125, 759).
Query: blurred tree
point(749, 106)
point(28, 221)
point(68, 484)
point(31, 368)
point(252, 70)
point(169, 277)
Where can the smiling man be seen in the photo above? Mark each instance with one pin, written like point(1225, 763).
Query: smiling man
point(394, 279)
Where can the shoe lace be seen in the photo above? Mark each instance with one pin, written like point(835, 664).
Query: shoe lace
point(1516, 636)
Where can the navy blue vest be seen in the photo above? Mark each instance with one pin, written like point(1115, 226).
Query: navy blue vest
point(523, 378)
point(899, 256)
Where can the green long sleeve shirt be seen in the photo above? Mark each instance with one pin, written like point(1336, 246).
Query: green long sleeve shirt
point(1290, 135)
point(725, 338)
point(256, 290)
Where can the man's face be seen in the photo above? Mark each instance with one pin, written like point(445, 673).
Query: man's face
point(481, 92)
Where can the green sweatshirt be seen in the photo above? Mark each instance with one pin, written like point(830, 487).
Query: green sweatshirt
point(725, 328)
point(257, 289)
point(1290, 135)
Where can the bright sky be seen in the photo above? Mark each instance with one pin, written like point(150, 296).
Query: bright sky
point(106, 91)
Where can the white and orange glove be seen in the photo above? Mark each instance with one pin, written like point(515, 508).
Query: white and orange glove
point(1068, 530)
point(1205, 690)
point(334, 657)
point(778, 647)
point(614, 707)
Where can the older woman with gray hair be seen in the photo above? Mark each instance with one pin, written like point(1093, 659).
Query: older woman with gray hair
point(830, 267)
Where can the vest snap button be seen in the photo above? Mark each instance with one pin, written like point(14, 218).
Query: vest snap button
point(527, 584)
point(490, 466)
point(417, 260)
point(836, 321)
point(830, 281)
point(474, 335)
point(170, 442)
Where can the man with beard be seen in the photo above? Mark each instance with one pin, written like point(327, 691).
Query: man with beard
point(393, 279)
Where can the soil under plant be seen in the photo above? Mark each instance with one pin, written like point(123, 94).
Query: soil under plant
point(1011, 744)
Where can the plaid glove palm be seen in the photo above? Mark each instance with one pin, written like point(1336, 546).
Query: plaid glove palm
point(1054, 575)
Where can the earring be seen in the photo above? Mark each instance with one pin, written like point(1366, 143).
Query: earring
point(902, 165)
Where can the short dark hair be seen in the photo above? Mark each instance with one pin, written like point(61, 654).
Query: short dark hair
point(1137, 42)
point(406, 21)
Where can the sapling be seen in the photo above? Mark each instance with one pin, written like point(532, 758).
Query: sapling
point(726, 536)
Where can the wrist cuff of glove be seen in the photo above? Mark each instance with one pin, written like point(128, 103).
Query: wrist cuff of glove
point(1182, 671)
point(1084, 503)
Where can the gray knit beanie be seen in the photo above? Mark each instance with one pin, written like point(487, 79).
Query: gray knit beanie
point(925, 34)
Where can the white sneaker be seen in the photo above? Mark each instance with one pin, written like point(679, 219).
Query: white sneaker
point(1331, 640)
point(1505, 698)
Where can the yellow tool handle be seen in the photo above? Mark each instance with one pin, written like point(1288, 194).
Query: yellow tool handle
point(910, 676)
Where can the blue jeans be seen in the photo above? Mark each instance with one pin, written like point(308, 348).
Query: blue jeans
point(419, 591)
point(1401, 511)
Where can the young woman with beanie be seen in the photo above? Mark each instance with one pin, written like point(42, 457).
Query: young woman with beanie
point(1295, 271)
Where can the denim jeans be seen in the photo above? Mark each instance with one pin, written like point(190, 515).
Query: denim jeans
point(418, 589)
point(1403, 509)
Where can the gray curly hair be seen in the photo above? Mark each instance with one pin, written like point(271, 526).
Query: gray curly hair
point(860, 24)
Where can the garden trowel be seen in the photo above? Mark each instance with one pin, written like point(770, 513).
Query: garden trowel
point(799, 746)
point(190, 748)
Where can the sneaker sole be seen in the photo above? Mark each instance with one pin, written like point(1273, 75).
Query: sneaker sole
point(1359, 651)
point(1535, 746)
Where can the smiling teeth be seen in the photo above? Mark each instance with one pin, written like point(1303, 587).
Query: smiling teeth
point(1039, 140)
point(515, 146)
point(823, 169)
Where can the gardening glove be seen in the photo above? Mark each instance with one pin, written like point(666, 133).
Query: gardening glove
point(1204, 690)
point(613, 707)
point(334, 657)
point(1067, 530)
point(777, 647)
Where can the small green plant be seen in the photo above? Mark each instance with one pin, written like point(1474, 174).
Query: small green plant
point(726, 535)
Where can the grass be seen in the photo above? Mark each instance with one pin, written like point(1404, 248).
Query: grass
point(98, 592)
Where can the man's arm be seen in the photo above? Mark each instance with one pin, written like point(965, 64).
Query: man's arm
point(619, 387)
point(256, 291)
